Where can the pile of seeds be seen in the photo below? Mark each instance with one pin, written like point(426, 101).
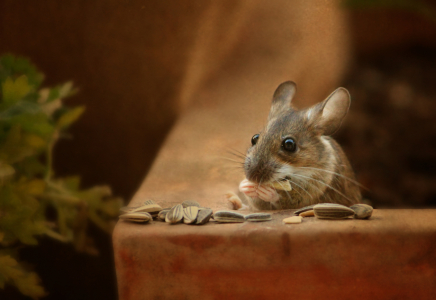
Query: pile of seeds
point(332, 211)
point(190, 212)
point(226, 216)
point(141, 214)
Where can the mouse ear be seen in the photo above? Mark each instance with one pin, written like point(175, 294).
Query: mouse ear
point(332, 111)
point(283, 96)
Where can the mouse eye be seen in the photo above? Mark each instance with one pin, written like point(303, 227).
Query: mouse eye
point(254, 139)
point(289, 145)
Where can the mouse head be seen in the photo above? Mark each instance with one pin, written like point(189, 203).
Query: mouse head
point(294, 138)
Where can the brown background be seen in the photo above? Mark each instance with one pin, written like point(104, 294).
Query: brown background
point(140, 64)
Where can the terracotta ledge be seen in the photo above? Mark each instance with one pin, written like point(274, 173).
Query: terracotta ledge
point(392, 255)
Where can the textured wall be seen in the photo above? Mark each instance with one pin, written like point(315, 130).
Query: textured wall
point(139, 63)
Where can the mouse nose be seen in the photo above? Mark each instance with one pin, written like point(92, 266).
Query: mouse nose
point(258, 171)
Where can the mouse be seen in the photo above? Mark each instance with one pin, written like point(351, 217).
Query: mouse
point(295, 150)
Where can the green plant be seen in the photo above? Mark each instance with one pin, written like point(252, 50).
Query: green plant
point(32, 201)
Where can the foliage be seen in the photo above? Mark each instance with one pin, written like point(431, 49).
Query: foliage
point(32, 201)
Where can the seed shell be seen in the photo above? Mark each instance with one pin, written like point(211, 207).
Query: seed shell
point(149, 206)
point(188, 203)
point(293, 220)
point(284, 185)
point(329, 211)
point(175, 215)
point(303, 209)
point(362, 211)
point(162, 214)
point(309, 213)
point(190, 214)
point(225, 216)
point(138, 217)
point(258, 217)
point(203, 216)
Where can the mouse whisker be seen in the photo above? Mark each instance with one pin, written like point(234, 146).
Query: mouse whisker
point(232, 160)
point(325, 185)
point(335, 173)
point(237, 153)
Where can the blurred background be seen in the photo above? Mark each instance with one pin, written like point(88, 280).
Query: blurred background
point(140, 64)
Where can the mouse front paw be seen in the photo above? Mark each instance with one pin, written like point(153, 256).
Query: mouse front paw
point(251, 189)
point(267, 193)
point(248, 188)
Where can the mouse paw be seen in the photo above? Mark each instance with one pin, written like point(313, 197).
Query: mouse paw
point(248, 188)
point(235, 202)
point(267, 193)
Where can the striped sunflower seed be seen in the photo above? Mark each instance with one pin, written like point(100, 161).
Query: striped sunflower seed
point(258, 217)
point(149, 206)
point(204, 215)
point(362, 211)
point(175, 215)
point(225, 216)
point(138, 217)
point(162, 214)
point(332, 211)
point(190, 214)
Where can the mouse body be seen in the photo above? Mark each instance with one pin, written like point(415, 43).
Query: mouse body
point(296, 146)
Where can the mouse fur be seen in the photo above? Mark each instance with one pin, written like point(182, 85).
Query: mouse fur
point(318, 169)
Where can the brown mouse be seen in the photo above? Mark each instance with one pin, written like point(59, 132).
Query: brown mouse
point(296, 146)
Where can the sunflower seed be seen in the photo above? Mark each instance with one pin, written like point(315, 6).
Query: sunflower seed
point(190, 214)
point(188, 203)
point(258, 217)
point(330, 211)
point(309, 213)
point(175, 215)
point(126, 209)
point(203, 216)
point(362, 211)
point(162, 214)
point(225, 216)
point(303, 209)
point(138, 217)
point(293, 220)
point(149, 206)
point(282, 185)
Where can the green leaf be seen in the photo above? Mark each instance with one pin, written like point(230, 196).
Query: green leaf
point(33, 187)
point(34, 123)
point(19, 108)
point(13, 91)
point(28, 283)
point(5, 170)
point(11, 65)
point(70, 117)
point(66, 90)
